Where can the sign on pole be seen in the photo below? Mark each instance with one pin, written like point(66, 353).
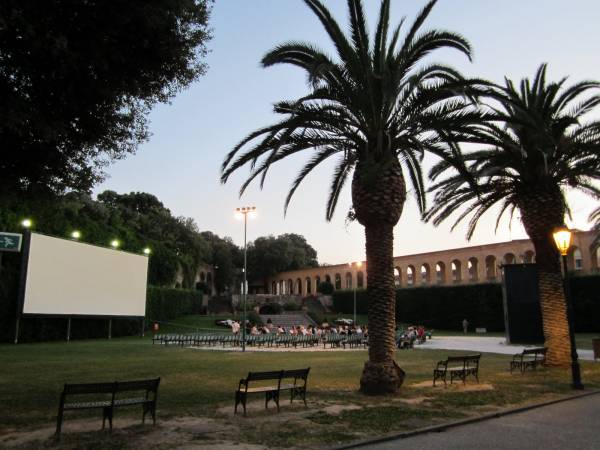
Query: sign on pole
point(10, 242)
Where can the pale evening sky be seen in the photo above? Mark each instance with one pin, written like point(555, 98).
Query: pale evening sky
point(180, 164)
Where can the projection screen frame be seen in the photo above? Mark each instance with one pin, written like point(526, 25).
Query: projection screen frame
point(23, 284)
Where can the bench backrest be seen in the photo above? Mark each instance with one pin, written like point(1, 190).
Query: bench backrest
point(259, 376)
point(532, 351)
point(296, 373)
point(467, 360)
point(138, 385)
point(89, 388)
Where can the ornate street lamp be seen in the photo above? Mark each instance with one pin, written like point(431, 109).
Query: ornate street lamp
point(562, 238)
point(75, 235)
point(243, 213)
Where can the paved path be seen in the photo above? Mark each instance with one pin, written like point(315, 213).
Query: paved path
point(569, 425)
point(484, 344)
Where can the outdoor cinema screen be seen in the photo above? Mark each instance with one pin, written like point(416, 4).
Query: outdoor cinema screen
point(72, 278)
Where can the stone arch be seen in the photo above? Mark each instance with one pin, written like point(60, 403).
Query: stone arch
point(317, 283)
point(490, 267)
point(440, 272)
point(595, 255)
point(473, 266)
point(425, 273)
point(575, 259)
point(338, 281)
point(328, 279)
point(308, 282)
point(529, 257)
point(360, 280)
point(290, 287)
point(274, 288)
point(397, 276)
point(456, 269)
point(509, 258)
point(410, 275)
point(298, 286)
point(348, 282)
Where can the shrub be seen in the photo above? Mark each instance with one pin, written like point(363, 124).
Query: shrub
point(254, 318)
point(291, 306)
point(314, 315)
point(271, 308)
point(325, 288)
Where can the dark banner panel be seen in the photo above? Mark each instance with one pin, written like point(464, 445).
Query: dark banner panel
point(522, 313)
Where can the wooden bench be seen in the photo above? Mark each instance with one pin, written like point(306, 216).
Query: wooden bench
point(465, 366)
point(108, 396)
point(529, 358)
point(283, 379)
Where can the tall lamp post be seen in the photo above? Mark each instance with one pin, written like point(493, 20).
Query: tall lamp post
point(358, 265)
point(562, 238)
point(242, 214)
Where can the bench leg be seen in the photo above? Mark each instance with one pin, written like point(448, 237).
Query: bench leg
point(59, 420)
point(107, 414)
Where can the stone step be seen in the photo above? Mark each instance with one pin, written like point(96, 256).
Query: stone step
point(288, 320)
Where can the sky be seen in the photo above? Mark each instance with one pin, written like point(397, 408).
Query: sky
point(180, 164)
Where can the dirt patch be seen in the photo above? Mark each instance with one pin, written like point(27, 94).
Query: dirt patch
point(456, 386)
point(414, 400)
point(336, 410)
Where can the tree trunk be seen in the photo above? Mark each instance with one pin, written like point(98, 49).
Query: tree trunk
point(541, 214)
point(378, 194)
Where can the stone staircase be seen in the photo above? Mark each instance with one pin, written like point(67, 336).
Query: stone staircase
point(288, 320)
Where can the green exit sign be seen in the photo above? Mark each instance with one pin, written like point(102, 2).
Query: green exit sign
point(10, 242)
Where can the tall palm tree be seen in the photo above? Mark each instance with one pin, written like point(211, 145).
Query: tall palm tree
point(537, 146)
point(376, 111)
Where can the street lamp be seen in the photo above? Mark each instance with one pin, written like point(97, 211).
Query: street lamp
point(115, 243)
point(562, 238)
point(26, 223)
point(76, 234)
point(243, 213)
point(147, 251)
point(358, 265)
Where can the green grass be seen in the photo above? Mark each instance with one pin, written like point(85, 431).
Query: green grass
point(197, 383)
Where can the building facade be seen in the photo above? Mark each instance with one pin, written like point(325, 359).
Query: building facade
point(476, 264)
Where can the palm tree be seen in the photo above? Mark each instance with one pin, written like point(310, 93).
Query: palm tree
point(376, 111)
point(538, 146)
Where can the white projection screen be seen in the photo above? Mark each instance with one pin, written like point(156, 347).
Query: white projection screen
point(72, 278)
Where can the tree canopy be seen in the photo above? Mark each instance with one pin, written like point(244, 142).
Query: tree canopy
point(78, 78)
point(270, 255)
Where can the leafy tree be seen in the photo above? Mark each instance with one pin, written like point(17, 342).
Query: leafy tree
point(538, 146)
point(77, 79)
point(227, 258)
point(270, 255)
point(376, 110)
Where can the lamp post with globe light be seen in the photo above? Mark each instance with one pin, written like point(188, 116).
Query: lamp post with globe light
point(242, 214)
point(562, 238)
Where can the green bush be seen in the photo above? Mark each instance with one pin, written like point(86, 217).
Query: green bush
point(444, 307)
point(317, 317)
point(254, 318)
point(291, 306)
point(325, 288)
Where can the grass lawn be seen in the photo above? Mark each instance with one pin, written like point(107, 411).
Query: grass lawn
point(199, 384)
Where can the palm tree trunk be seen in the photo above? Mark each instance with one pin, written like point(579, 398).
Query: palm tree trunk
point(381, 374)
point(378, 194)
point(541, 214)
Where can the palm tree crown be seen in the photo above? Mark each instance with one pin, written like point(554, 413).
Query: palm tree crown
point(372, 103)
point(540, 147)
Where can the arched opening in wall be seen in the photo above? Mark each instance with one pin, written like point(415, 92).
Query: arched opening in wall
point(490, 267)
point(348, 280)
point(317, 283)
point(595, 253)
point(472, 265)
point(202, 277)
point(410, 275)
point(290, 287)
point(425, 273)
point(308, 285)
point(274, 288)
point(328, 279)
point(440, 272)
point(575, 259)
point(299, 286)
point(397, 276)
point(529, 257)
point(338, 281)
point(456, 271)
point(509, 258)
point(270, 308)
point(360, 281)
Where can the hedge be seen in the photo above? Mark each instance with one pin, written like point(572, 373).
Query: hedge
point(161, 304)
point(481, 304)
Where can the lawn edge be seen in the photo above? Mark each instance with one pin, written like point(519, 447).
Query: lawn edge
point(458, 423)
